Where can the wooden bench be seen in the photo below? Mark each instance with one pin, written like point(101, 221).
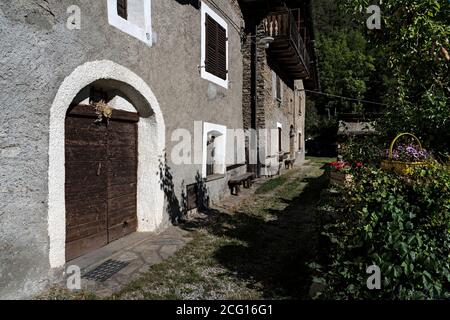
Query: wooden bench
point(289, 163)
point(235, 183)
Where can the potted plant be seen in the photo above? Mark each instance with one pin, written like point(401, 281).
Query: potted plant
point(339, 173)
point(403, 158)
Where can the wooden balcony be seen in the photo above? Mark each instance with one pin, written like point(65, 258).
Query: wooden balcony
point(288, 48)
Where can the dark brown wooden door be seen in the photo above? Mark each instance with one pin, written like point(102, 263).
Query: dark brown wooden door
point(101, 179)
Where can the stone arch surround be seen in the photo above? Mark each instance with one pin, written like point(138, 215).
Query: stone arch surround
point(151, 145)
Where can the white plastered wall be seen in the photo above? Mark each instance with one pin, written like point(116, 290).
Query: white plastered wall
point(151, 144)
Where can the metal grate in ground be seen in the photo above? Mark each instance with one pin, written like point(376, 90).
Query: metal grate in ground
point(106, 270)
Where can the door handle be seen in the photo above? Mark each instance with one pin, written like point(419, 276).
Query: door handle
point(99, 169)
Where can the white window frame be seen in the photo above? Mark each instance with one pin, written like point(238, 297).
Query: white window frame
point(144, 35)
point(203, 73)
point(221, 147)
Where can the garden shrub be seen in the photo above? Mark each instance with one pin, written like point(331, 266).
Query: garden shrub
point(399, 223)
point(365, 149)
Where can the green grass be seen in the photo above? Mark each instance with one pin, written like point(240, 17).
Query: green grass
point(271, 184)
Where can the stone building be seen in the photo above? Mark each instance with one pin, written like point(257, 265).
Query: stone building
point(119, 116)
point(279, 63)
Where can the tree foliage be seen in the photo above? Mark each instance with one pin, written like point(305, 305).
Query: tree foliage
point(414, 37)
point(346, 66)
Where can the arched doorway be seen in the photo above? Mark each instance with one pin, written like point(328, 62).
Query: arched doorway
point(116, 80)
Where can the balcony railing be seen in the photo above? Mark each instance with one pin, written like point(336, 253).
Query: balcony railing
point(283, 27)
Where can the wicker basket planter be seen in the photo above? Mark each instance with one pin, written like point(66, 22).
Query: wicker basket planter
point(401, 167)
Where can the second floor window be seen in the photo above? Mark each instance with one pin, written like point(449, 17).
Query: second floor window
point(216, 48)
point(132, 17)
point(278, 88)
point(214, 42)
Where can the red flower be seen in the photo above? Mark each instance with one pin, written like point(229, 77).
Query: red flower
point(338, 165)
point(359, 165)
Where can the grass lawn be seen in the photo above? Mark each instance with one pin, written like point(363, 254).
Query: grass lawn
point(258, 252)
point(272, 184)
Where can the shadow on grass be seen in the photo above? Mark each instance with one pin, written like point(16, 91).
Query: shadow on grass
point(271, 254)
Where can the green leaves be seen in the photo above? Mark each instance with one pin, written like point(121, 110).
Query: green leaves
point(400, 225)
point(414, 39)
point(345, 66)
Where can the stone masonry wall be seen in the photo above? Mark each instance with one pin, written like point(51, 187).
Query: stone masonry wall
point(270, 112)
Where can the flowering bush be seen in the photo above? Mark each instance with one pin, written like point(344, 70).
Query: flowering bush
point(337, 166)
point(409, 153)
point(342, 166)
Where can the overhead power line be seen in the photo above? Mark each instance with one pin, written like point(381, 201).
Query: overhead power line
point(225, 15)
point(344, 98)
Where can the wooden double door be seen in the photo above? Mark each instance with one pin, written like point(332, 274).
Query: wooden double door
point(101, 179)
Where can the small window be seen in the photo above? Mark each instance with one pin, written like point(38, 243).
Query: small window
point(132, 17)
point(122, 9)
point(278, 88)
point(214, 43)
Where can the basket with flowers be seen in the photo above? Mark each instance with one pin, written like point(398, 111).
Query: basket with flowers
point(403, 158)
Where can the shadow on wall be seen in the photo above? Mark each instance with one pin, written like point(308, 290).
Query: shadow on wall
point(177, 211)
point(194, 3)
point(174, 208)
point(202, 193)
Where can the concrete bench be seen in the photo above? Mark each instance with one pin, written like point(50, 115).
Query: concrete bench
point(235, 183)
